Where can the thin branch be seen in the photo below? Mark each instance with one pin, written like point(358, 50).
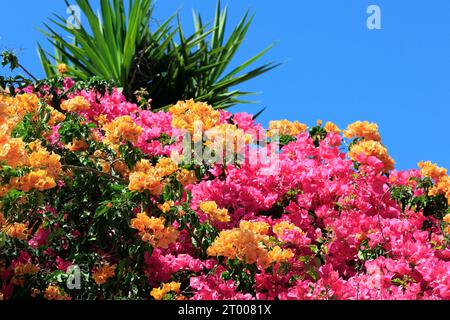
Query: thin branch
point(28, 73)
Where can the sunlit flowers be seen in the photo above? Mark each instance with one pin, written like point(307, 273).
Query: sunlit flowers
point(154, 231)
point(277, 254)
point(432, 170)
point(362, 129)
point(228, 138)
point(166, 206)
point(375, 149)
point(190, 115)
point(122, 129)
point(12, 152)
point(239, 244)
point(258, 227)
point(78, 103)
point(285, 127)
point(62, 68)
point(331, 127)
point(166, 167)
point(186, 177)
point(39, 180)
point(439, 176)
point(216, 214)
point(145, 176)
point(161, 292)
point(108, 189)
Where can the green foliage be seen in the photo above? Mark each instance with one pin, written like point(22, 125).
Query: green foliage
point(8, 58)
point(28, 128)
point(243, 274)
point(108, 51)
point(72, 129)
point(88, 215)
point(130, 154)
point(436, 206)
point(366, 253)
point(317, 133)
point(166, 63)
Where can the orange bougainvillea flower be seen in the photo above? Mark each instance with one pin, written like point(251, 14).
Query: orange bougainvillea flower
point(431, 170)
point(166, 167)
point(146, 177)
point(216, 214)
point(78, 103)
point(55, 117)
point(285, 127)
point(363, 129)
point(105, 272)
point(331, 127)
point(21, 270)
point(279, 255)
point(55, 293)
point(186, 177)
point(154, 231)
point(77, 145)
point(159, 293)
point(258, 227)
point(122, 129)
point(372, 148)
point(189, 115)
point(13, 153)
point(166, 206)
point(41, 159)
point(239, 244)
point(16, 230)
point(39, 180)
point(2, 220)
point(447, 218)
point(62, 68)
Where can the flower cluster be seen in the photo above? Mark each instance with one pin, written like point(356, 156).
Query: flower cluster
point(160, 293)
point(102, 274)
point(439, 176)
point(368, 144)
point(35, 167)
point(94, 182)
point(154, 231)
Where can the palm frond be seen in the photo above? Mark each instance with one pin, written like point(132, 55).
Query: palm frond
point(118, 44)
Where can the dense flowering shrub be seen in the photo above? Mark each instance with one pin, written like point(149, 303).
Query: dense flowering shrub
point(90, 180)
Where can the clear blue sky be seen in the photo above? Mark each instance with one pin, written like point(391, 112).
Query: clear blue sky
point(336, 69)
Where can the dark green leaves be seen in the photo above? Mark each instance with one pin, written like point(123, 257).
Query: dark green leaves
point(130, 154)
point(9, 58)
point(317, 133)
point(73, 129)
point(106, 48)
point(168, 64)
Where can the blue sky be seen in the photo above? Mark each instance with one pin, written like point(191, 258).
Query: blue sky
point(335, 68)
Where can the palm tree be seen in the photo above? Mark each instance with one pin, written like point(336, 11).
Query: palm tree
point(164, 62)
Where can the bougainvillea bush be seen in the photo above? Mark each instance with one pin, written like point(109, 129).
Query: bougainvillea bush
point(94, 187)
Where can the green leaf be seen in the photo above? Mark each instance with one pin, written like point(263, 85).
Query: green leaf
point(121, 44)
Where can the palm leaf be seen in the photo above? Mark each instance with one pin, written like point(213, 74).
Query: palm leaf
point(119, 44)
